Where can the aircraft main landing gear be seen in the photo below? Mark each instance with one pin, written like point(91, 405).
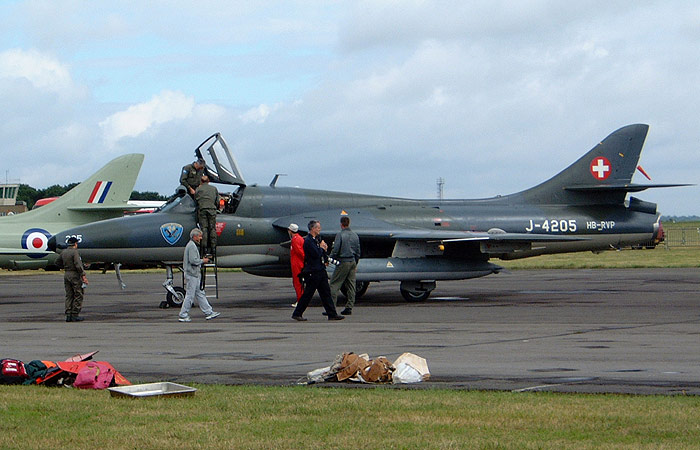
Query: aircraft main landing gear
point(416, 291)
point(360, 288)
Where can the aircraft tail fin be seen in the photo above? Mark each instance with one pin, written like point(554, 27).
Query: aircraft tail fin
point(601, 176)
point(103, 195)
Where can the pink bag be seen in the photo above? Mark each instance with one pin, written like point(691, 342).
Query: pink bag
point(94, 376)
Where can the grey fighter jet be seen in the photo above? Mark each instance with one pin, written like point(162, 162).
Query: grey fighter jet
point(415, 242)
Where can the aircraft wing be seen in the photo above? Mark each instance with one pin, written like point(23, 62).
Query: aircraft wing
point(418, 234)
point(369, 227)
point(521, 237)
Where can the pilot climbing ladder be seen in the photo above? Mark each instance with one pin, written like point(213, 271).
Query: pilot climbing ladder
point(210, 278)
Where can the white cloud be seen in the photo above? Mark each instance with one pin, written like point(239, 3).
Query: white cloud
point(437, 98)
point(493, 96)
point(259, 114)
point(44, 72)
point(137, 119)
point(209, 112)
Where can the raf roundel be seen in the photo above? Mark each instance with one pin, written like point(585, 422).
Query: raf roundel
point(37, 240)
point(600, 168)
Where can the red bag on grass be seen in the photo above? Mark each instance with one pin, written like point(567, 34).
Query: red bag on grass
point(12, 371)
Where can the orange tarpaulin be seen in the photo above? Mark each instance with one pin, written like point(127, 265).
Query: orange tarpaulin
point(74, 367)
point(74, 364)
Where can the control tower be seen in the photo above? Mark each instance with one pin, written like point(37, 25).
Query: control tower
point(8, 200)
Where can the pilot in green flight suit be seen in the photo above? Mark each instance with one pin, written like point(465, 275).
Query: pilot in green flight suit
point(191, 176)
point(207, 198)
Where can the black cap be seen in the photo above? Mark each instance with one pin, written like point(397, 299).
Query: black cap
point(72, 240)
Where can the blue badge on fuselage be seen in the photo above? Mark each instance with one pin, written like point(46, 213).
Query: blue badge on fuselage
point(171, 232)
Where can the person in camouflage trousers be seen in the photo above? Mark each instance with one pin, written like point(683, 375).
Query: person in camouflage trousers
point(207, 198)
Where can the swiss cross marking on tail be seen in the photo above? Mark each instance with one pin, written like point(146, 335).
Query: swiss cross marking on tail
point(600, 168)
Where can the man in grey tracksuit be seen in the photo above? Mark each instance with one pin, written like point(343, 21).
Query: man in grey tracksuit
point(346, 249)
point(192, 264)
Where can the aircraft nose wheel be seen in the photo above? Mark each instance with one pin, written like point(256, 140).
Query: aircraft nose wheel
point(177, 299)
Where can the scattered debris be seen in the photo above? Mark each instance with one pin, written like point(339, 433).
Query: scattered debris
point(350, 366)
point(77, 371)
point(408, 368)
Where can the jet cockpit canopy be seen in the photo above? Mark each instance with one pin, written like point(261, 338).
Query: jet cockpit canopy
point(221, 166)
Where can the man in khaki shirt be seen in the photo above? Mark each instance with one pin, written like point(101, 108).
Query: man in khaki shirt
point(192, 175)
point(73, 280)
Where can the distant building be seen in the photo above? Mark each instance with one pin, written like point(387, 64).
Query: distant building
point(8, 200)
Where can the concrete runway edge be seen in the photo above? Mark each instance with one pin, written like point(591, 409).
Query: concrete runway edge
point(633, 331)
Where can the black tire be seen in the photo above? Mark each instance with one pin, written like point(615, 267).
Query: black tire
point(176, 300)
point(360, 288)
point(415, 296)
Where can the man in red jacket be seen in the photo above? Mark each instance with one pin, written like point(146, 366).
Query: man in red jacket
point(297, 259)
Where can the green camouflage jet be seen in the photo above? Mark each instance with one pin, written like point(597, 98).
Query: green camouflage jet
point(24, 237)
point(415, 242)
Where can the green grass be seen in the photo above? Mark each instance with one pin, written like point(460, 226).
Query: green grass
point(674, 257)
point(307, 417)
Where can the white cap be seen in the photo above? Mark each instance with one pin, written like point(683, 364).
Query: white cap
point(293, 227)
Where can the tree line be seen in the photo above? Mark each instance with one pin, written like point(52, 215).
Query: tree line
point(30, 195)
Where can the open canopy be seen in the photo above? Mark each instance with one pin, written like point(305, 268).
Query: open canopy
point(221, 166)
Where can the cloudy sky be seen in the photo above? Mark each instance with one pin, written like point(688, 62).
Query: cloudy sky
point(375, 96)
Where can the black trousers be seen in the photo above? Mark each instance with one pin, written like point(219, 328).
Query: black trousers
point(316, 281)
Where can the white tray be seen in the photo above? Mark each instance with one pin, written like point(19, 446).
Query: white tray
point(163, 389)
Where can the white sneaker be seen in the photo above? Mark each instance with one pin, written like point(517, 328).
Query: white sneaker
point(294, 305)
point(213, 315)
point(184, 319)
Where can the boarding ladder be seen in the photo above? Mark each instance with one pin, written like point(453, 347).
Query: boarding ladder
point(210, 278)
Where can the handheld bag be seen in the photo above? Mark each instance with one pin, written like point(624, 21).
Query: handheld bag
point(94, 376)
point(12, 371)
